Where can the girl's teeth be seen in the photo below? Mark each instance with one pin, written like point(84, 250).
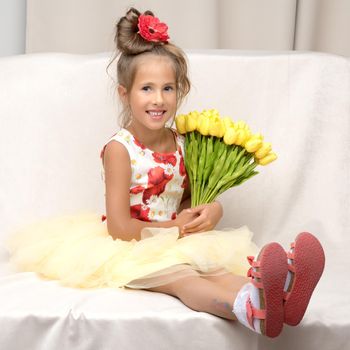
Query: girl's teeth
point(156, 114)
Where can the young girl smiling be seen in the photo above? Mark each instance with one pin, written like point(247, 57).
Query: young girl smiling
point(150, 238)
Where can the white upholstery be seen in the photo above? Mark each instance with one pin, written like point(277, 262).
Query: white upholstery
point(57, 110)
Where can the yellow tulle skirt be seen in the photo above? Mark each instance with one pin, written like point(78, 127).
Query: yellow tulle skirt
point(78, 251)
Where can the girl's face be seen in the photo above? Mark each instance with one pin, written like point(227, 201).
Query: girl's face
point(152, 97)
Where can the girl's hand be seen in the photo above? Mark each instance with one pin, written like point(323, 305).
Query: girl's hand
point(183, 218)
point(207, 217)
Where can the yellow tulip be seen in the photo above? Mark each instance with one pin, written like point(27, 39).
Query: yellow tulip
point(195, 114)
point(242, 125)
point(228, 122)
point(259, 136)
point(267, 159)
point(217, 127)
point(241, 137)
point(263, 150)
point(230, 136)
point(180, 122)
point(253, 144)
point(203, 124)
point(191, 122)
point(251, 136)
point(207, 113)
point(214, 112)
point(248, 136)
point(199, 118)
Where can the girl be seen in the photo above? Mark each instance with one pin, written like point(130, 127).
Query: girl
point(150, 238)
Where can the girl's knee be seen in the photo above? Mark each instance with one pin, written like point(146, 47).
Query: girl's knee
point(165, 288)
point(173, 288)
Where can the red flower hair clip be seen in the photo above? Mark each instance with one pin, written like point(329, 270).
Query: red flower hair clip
point(151, 29)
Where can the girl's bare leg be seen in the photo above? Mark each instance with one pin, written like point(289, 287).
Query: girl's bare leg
point(200, 294)
point(229, 280)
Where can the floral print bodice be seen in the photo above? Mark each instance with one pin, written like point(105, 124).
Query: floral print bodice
point(157, 181)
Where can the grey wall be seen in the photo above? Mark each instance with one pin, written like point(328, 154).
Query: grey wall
point(12, 27)
point(87, 26)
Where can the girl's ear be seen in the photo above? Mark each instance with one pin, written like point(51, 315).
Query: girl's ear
point(123, 94)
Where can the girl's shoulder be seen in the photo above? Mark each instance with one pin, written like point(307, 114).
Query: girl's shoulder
point(123, 137)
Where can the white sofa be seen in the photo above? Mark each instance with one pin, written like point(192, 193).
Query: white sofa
point(57, 110)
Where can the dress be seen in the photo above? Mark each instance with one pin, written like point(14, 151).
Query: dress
point(78, 251)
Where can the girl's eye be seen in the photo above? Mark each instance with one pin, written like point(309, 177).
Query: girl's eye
point(146, 88)
point(168, 88)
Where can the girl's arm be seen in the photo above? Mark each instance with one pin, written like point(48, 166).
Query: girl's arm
point(117, 179)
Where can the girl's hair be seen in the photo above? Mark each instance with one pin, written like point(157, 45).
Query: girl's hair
point(131, 46)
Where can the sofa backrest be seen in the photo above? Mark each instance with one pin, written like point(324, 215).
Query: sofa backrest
point(57, 110)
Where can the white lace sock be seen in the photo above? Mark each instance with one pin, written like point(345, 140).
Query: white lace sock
point(240, 309)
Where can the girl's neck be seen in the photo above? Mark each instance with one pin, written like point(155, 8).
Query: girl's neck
point(153, 139)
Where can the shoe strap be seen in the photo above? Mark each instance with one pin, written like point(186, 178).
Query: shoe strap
point(291, 268)
point(253, 312)
point(290, 255)
point(254, 274)
point(252, 262)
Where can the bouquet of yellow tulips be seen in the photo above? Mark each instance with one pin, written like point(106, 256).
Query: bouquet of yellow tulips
point(219, 153)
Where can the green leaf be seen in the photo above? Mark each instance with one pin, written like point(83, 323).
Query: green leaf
point(201, 166)
point(194, 161)
point(215, 175)
point(210, 158)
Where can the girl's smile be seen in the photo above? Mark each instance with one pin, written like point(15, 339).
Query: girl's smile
point(156, 114)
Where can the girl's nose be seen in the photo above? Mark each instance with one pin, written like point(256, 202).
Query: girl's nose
point(158, 98)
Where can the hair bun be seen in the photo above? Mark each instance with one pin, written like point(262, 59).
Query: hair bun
point(127, 39)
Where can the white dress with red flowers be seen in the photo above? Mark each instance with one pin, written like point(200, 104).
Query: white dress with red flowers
point(157, 179)
point(78, 251)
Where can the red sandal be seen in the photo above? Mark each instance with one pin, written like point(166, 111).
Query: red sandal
point(268, 274)
point(307, 265)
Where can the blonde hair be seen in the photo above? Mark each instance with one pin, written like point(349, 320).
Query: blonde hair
point(130, 46)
